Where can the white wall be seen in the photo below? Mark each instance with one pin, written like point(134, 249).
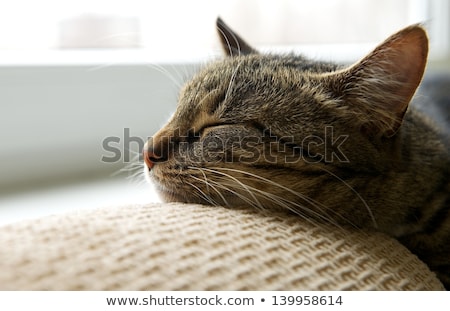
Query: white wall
point(53, 119)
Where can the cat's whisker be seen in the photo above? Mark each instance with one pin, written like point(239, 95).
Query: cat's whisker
point(253, 190)
point(139, 182)
point(133, 163)
point(279, 201)
point(209, 185)
point(210, 182)
point(244, 186)
point(204, 177)
point(228, 43)
point(230, 84)
point(176, 74)
point(369, 210)
point(228, 188)
point(133, 166)
point(202, 195)
point(136, 174)
point(122, 170)
point(167, 73)
point(183, 72)
point(136, 153)
point(317, 205)
point(288, 205)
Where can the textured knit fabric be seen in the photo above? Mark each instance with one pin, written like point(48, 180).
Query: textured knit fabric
point(193, 247)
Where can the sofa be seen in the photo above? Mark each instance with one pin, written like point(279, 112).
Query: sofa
point(176, 246)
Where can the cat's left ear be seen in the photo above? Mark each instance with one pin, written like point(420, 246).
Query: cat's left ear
point(232, 43)
point(381, 85)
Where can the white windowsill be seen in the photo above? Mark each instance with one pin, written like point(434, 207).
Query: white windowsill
point(72, 198)
point(89, 57)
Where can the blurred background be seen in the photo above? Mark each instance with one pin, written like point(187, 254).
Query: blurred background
point(84, 83)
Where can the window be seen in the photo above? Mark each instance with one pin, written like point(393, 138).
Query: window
point(176, 29)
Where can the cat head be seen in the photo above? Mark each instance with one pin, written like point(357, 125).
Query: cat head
point(262, 130)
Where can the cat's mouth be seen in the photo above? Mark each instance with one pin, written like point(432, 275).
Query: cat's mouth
point(168, 191)
point(174, 183)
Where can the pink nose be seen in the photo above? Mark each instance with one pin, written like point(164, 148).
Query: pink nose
point(148, 155)
point(155, 150)
point(152, 156)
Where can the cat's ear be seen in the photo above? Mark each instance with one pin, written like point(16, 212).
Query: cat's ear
point(382, 84)
point(232, 43)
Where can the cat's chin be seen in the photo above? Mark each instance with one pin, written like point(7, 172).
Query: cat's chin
point(170, 196)
point(167, 195)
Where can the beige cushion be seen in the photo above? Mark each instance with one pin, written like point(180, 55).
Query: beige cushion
point(193, 247)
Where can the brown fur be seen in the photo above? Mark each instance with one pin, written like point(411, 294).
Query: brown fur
point(326, 142)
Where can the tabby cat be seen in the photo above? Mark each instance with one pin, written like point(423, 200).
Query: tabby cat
point(327, 142)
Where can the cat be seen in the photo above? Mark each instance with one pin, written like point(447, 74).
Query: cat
point(328, 142)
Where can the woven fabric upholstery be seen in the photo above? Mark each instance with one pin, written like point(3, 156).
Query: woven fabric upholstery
point(193, 247)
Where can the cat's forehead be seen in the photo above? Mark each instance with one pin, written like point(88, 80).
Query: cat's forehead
point(217, 74)
point(235, 78)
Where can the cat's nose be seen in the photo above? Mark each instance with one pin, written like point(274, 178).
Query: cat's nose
point(152, 155)
point(148, 159)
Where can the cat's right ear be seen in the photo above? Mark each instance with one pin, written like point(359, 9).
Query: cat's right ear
point(232, 43)
point(381, 85)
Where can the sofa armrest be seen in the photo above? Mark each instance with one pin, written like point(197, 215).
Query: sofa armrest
point(194, 247)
